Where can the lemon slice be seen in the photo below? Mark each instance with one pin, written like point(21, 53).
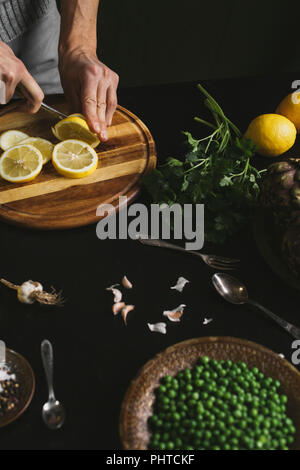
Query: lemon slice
point(74, 159)
point(11, 138)
point(77, 115)
point(43, 145)
point(75, 127)
point(21, 163)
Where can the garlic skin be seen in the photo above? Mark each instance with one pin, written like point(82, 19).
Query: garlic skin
point(206, 321)
point(26, 289)
point(160, 327)
point(181, 282)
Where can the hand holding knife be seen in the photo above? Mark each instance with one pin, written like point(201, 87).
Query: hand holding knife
point(22, 92)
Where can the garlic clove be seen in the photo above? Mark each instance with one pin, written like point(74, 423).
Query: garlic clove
point(126, 283)
point(125, 312)
point(116, 293)
point(117, 307)
point(175, 314)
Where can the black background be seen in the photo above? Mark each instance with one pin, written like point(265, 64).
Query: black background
point(95, 354)
point(167, 41)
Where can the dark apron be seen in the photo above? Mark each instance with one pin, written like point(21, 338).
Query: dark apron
point(38, 50)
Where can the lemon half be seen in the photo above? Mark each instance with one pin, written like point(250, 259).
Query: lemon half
point(75, 127)
point(74, 159)
point(11, 138)
point(21, 163)
point(43, 145)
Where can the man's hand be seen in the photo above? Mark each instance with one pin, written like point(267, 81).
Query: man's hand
point(90, 88)
point(12, 73)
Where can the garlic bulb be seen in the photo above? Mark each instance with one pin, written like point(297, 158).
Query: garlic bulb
point(31, 291)
point(26, 290)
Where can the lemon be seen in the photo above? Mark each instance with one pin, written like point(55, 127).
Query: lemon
point(21, 163)
point(290, 108)
point(272, 133)
point(11, 138)
point(78, 115)
point(75, 127)
point(43, 145)
point(74, 159)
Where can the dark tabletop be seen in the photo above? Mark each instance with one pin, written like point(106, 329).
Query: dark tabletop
point(95, 354)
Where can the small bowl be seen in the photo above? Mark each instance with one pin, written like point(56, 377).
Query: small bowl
point(19, 366)
point(138, 401)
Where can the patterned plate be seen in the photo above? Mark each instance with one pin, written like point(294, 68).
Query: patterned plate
point(19, 366)
point(138, 401)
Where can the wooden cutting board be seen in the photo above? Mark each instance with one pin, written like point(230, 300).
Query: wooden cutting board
point(52, 201)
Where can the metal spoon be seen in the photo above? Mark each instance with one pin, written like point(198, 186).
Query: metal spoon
point(235, 292)
point(2, 353)
point(53, 412)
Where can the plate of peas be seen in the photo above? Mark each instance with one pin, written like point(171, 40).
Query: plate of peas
point(213, 393)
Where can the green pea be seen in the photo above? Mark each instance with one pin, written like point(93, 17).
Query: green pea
point(220, 405)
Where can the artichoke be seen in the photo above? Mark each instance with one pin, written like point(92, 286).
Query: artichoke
point(280, 194)
point(280, 191)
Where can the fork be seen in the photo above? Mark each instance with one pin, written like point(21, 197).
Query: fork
point(213, 261)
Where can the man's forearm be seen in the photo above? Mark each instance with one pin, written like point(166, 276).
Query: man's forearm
point(78, 25)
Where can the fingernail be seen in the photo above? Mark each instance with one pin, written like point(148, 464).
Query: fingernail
point(97, 128)
point(103, 135)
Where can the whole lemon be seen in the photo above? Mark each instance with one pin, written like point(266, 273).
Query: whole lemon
point(290, 108)
point(272, 133)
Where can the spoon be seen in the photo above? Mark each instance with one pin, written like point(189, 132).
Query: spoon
point(235, 292)
point(53, 412)
point(2, 353)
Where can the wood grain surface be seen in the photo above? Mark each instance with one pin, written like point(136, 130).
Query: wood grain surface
point(52, 201)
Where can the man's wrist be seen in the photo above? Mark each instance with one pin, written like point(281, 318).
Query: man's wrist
point(66, 51)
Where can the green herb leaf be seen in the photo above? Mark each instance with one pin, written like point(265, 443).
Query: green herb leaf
point(215, 171)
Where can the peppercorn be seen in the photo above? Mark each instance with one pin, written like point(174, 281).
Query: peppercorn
point(9, 396)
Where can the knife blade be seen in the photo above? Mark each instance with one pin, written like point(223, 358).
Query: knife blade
point(22, 91)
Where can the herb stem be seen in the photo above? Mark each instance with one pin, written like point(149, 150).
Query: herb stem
point(202, 121)
point(246, 167)
point(196, 166)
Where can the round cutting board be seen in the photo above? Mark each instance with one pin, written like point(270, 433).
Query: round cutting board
point(52, 201)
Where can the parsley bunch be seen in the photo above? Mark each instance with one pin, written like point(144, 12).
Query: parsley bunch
point(215, 171)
